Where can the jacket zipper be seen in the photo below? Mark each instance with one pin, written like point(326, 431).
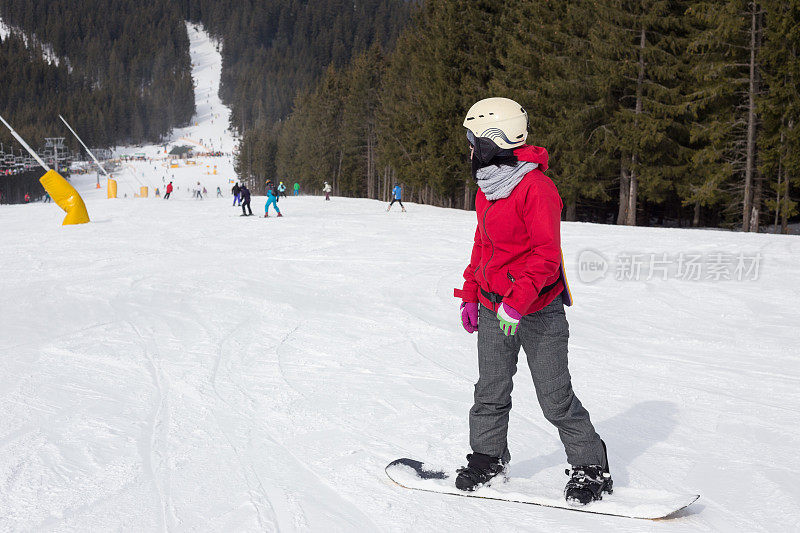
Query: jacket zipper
point(490, 242)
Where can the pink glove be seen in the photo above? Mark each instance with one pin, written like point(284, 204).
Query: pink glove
point(469, 316)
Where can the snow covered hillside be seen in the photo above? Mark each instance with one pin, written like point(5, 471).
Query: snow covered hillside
point(208, 132)
point(174, 366)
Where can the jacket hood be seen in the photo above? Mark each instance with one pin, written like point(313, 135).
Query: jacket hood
point(533, 154)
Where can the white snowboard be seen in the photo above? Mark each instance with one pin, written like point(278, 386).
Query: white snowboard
point(625, 501)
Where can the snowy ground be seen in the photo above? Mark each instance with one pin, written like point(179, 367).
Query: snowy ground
point(208, 131)
point(173, 366)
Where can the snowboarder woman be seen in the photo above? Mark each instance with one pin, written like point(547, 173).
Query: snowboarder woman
point(245, 192)
point(513, 295)
point(272, 199)
point(397, 195)
point(327, 190)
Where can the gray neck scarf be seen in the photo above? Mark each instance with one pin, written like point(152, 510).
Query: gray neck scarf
point(498, 182)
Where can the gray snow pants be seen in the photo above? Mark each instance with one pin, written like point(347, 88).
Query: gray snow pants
point(544, 336)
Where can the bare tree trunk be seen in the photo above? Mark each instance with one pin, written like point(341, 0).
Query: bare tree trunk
point(466, 193)
point(785, 210)
point(338, 174)
point(750, 164)
point(624, 190)
point(778, 188)
point(369, 164)
point(696, 217)
point(786, 199)
point(755, 219)
point(572, 210)
point(632, 194)
point(385, 180)
point(634, 181)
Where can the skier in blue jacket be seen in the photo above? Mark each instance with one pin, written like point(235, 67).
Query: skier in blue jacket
point(272, 199)
point(397, 194)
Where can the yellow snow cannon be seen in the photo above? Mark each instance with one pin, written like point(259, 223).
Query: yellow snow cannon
point(66, 197)
point(59, 189)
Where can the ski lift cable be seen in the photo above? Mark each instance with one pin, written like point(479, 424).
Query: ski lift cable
point(24, 144)
point(84, 145)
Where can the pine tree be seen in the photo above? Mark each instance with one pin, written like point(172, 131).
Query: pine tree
point(545, 61)
point(359, 129)
point(436, 72)
point(727, 75)
point(779, 141)
point(635, 58)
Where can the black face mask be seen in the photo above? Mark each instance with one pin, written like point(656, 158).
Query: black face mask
point(485, 152)
point(484, 149)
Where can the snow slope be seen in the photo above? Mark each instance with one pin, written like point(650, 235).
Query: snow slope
point(208, 131)
point(173, 366)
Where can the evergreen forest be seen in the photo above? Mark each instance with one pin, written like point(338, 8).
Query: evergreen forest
point(654, 112)
point(123, 73)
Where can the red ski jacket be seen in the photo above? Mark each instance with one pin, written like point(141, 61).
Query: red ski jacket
point(169, 187)
point(517, 251)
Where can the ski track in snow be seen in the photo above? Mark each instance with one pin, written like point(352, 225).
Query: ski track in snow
point(175, 367)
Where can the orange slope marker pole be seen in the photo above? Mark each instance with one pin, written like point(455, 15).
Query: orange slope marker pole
point(60, 190)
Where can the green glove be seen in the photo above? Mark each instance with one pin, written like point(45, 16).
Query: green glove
point(509, 319)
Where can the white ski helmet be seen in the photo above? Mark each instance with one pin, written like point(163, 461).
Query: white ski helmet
point(500, 120)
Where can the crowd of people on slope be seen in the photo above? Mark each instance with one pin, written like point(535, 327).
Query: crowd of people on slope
point(241, 195)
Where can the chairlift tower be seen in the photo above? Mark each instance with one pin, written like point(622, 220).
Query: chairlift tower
point(56, 143)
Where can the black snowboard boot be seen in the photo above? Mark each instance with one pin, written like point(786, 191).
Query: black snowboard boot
point(587, 483)
point(480, 470)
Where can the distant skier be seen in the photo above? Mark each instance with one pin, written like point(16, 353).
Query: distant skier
point(397, 195)
point(236, 190)
point(199, 191)
point(47, 198)
point(327, 190)
point(27, 198)
point(169, 191)
point(514, 294)
point(297, 189)
point(245, 193)
point(219, 192)
point(282, 189)
point(158, 193)
point(272, 199)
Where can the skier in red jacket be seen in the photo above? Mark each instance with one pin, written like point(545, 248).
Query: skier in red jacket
point(169, 191)
point(514, 294)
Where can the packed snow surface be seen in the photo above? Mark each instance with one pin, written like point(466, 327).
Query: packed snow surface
point(174, 366)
